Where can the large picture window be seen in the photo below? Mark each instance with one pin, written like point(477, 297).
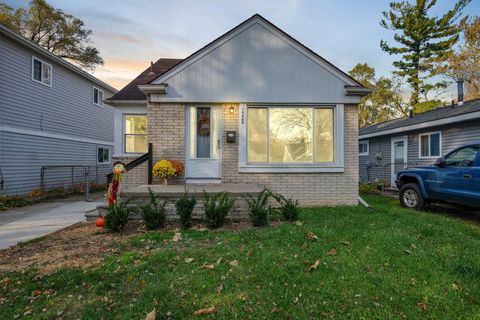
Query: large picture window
point(290, 135)
point(136, 134)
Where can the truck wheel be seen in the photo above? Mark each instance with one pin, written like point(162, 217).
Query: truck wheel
point(411, 197)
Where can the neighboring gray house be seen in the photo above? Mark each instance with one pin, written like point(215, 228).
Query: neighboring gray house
point(51, 113)
point(387, 147)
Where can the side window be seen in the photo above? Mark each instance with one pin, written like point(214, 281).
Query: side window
point(97, 97)
point(363, 148)
point(429, 145)
point(103, 155)
point(464, 157)
point(41, 72)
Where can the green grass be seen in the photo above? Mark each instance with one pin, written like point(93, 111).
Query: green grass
point(388, 262)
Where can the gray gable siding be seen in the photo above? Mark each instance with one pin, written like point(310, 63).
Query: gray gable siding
point(259, 66)
point(452, 136)
point(65, 108)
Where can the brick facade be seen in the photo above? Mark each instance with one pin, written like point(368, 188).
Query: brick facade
point(310, 188)
point(137, 176)
point(166, 130)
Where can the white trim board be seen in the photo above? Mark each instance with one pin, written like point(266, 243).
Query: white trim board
point(53, 135)
point(423, 125)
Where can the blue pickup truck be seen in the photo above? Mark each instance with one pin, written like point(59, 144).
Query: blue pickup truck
point(454, 178)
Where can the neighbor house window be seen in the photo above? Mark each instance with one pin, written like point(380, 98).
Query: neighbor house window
point(136, 134)
point(98, 97)
point(103, 155)
point(430, 145)
point(290, 135)
point(363, 148)
point(41, 71)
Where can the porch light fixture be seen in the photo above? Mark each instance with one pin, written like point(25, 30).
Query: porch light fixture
point(232, 110)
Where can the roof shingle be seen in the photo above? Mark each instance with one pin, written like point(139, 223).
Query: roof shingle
point(436, 114)
point(131, 91)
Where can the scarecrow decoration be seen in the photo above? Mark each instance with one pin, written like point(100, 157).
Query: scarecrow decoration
point(115, 186)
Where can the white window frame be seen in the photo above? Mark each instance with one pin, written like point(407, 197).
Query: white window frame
point(41, 71)
point(367, 143)
point(338, 152)
point(109, 154)
point(124, 133)
point(420, 135)
point(100, 102)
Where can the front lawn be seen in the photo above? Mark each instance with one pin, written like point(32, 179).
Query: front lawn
point(384, 263)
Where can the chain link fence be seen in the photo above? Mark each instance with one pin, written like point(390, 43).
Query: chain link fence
point(57, 180)
point(382, 174)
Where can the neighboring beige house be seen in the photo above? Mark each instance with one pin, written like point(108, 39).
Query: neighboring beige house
point(254, 106)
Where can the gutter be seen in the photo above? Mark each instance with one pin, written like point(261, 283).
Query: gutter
point(160, 88)
point(124, 102)
point(357, 91)
point(38, 49)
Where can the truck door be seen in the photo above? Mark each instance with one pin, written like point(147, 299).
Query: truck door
point(476, 181)
point(458, 175)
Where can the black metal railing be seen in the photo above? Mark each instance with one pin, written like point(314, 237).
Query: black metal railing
point(146, 157)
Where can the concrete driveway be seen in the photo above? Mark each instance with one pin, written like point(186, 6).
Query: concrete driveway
point(23, 224)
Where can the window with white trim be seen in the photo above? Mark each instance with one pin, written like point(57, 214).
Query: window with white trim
point(41, 72)
point(98, 97)
point(363, 148)
point(290, 139)
point(135, 134)
point(430, 145)
point(103, 155)
point(290, 135)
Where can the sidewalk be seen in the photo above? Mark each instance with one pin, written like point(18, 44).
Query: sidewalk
point(23, 224)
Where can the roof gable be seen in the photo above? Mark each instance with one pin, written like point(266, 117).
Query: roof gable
point(256, 62)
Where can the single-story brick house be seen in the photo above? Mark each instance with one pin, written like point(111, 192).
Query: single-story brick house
point(254, 106)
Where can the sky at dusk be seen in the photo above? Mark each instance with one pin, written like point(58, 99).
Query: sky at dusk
point(130, 34)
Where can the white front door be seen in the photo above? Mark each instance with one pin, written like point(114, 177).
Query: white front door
point(202, 164)
point(399, 156)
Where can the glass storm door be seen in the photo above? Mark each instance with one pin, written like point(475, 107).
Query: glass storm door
point(203, 144)
point(399, 156)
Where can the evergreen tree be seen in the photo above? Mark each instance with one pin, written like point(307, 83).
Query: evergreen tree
point(424, 40)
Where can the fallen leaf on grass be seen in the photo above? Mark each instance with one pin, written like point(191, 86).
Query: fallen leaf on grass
point(209, 310)
point(422, 306)
point(275, 310)
point(310, 236)
point(332, 252)
point(219, 289)
point(407, 251)
point(455, 287)
point(189, 260)
point(234, 263)
point(314, 266)
point(36, 292)
point(208, 266)
point(346, 243)
point(177, 237)
point(152, 315)
point(298, 223)
point(202, 229)
point(250, 253)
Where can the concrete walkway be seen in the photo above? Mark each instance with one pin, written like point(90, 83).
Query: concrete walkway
point(23, 224)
